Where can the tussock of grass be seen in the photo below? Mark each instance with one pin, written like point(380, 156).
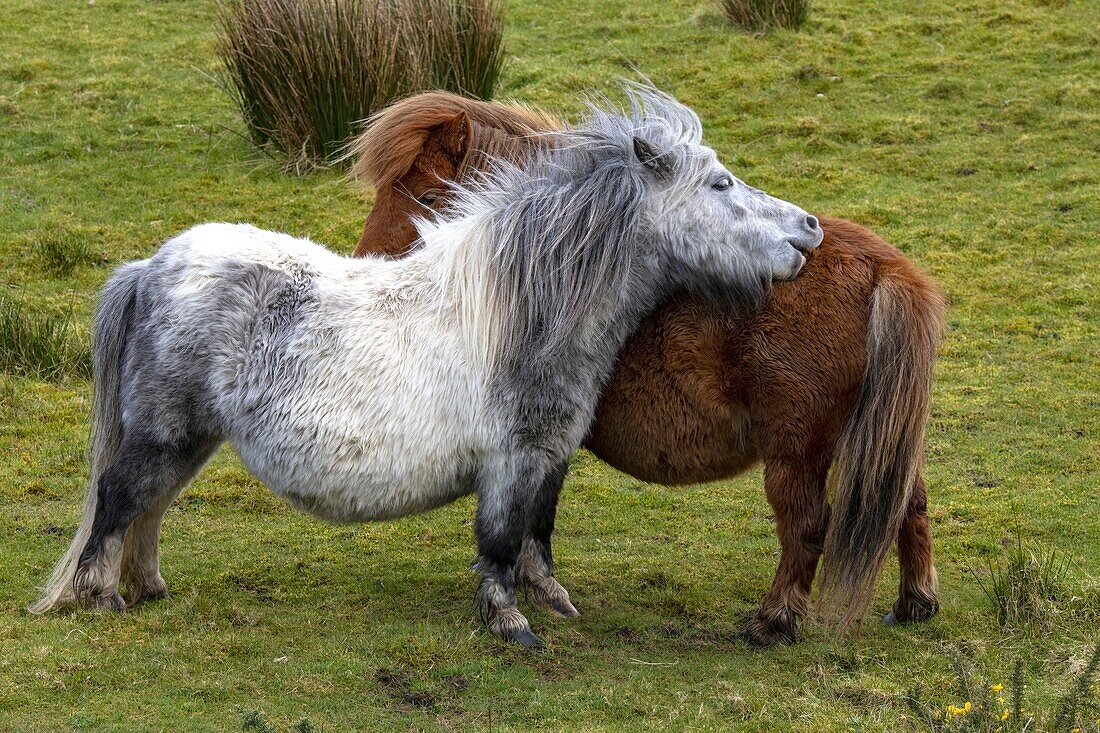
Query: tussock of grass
point(61, 251)
point(756, 15)
point(304, 73)
point(40, 345)
point(1027, 585)
point(253, 721)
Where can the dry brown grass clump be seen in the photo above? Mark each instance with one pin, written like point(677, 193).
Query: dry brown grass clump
point(758, 15)
point(304, 72)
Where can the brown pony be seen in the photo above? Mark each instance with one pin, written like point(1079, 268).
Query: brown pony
point(833, 372)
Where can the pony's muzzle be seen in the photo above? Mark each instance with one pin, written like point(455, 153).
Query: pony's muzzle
point(810, 236)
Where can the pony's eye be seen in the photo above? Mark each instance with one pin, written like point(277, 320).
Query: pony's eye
point(428, 198)
point(723, 184)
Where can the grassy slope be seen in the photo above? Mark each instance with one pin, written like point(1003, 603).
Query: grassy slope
point(965, 134)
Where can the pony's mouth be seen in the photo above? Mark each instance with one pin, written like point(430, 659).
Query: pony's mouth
point(793, 271)
point(805, 245)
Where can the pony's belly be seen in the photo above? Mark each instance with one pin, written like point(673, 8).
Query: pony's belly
point(664, 415)
point(386, 425)
point(653, 432)
point(374, 503)
point(676, 452)
point(366, 491)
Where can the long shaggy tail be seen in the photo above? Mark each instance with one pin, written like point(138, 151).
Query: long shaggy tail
point(881, 449)
point(108, 335)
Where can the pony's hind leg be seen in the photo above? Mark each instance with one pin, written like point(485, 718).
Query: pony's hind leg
point(142, 479)
point(535, 569)
point(140, 549)
point(140, 573)
point(505, 490)
point(798, 496)
point(917, 593)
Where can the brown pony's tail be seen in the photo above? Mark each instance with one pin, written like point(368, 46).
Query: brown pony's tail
point(881, 449)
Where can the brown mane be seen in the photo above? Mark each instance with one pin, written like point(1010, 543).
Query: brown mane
point(395, 137)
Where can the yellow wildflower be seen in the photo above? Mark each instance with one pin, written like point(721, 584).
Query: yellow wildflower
point(997, 688)
point(1004, 715)
point(967, 706)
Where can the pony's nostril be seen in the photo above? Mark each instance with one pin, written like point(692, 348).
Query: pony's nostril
point(811, 222)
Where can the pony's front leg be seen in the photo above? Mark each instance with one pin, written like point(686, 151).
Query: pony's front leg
point(798, 496)
point(535, 569)
point(506, 488)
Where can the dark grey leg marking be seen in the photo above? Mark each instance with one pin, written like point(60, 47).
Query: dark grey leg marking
point(505, 491)
point(143, 471)
point(536, 562)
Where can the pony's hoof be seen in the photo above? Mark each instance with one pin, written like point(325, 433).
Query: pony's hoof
point(551, 597)
point(759, 632)
point(511, 625)
point(521, 635)
point(527, 639)
point(111, 602)
point(563, 607)
point(147, 594)
point(913, 610)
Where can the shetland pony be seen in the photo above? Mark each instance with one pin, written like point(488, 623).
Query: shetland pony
point(832, 372)
point(369, 389)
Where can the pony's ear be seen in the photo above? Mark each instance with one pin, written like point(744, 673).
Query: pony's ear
point(660, 164)
point(453, 137)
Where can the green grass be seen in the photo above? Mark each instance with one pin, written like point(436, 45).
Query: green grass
point(1027, 587)
point(967, 134)
point(62, 250)
point(41, 345)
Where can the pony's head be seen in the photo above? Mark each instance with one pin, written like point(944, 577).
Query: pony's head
point(408, 150)
point(711, 233)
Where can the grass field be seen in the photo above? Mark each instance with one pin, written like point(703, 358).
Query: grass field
point(966, 133)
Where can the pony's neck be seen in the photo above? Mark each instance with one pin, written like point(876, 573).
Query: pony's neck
point(608, 330)
point(459, 250)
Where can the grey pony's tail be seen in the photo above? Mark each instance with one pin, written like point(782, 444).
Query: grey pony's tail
point(881, 448)
point(112, 321)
